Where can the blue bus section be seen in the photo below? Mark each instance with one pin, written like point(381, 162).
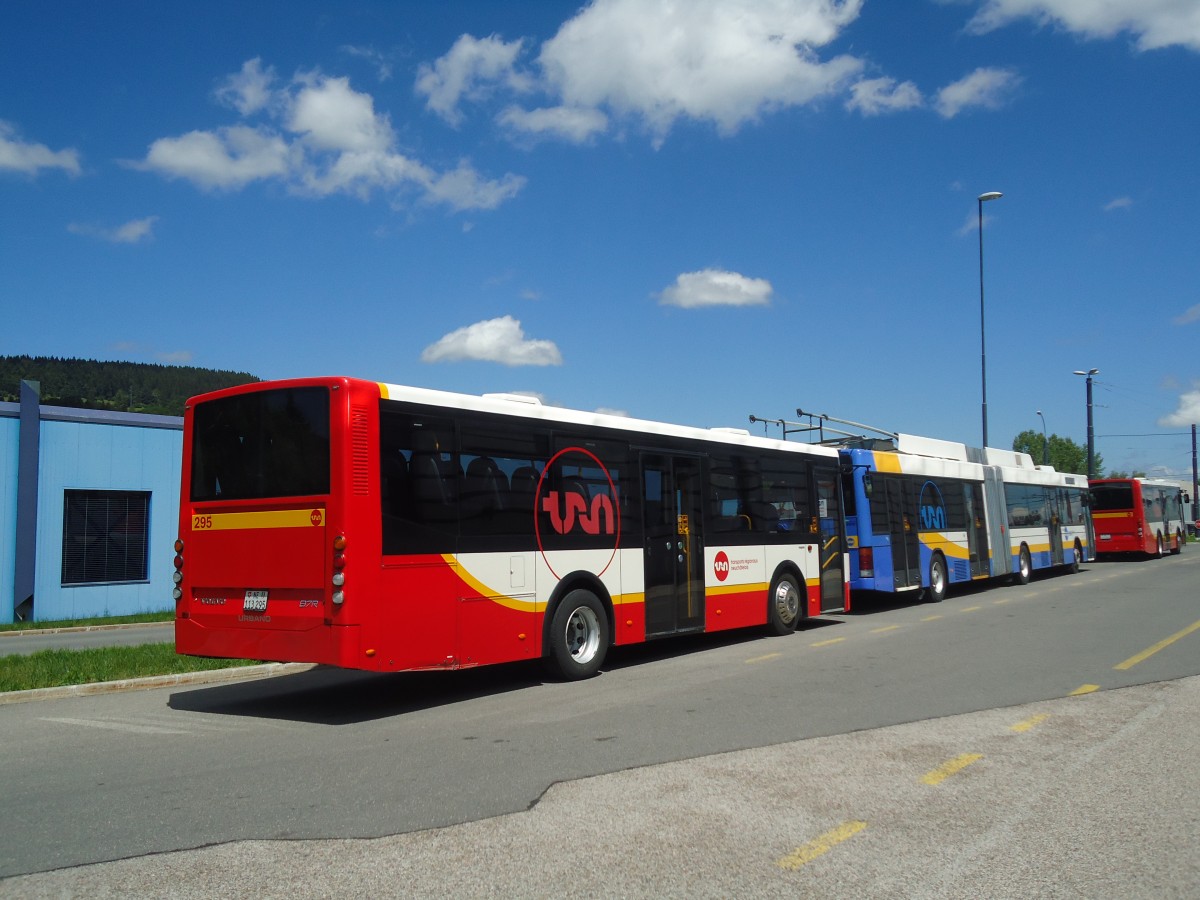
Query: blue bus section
point(924, 515)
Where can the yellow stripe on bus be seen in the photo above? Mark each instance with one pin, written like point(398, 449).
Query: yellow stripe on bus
point(274, 518)
point(886, 462)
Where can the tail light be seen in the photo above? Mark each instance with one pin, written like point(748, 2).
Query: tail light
point(866, 562)
point(339, 566)
point(177, 575)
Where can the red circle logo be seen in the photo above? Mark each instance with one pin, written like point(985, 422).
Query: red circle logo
point(599, 516)
point(315, 517)
point(721, 566)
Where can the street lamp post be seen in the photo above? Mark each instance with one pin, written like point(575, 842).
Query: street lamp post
point(990, 195)
point(1091, 434)
point(1045, 441)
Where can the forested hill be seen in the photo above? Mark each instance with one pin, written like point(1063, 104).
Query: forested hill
point(92, 384)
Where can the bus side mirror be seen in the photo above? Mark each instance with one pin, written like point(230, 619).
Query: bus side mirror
point(867, 485)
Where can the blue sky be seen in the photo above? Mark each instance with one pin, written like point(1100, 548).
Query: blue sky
point(690, 212)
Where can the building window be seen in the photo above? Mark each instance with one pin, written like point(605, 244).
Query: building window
point(105, 536)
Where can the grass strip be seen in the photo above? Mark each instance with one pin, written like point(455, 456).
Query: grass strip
point(54, 668)
point(142, 618)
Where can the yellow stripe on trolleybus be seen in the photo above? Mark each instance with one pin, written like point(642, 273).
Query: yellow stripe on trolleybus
point(272, 518)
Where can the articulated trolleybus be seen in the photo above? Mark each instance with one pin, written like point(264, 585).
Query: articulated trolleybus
point(388, 528)
point(925, 514)
point(1138, 515)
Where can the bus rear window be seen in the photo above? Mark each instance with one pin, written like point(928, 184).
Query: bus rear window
point(261, 445)
point(1112, 497)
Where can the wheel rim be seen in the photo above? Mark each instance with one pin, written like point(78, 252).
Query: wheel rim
point(1025, 564)
point(937, 579)
point(583, 635)
point(787, 602)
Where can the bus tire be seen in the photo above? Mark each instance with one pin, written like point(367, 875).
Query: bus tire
point(783, 605)
point(1178, 548)
point(1024, 567)
point(1076, 558)
point(579, 636)
point(938, 579)
point(1158, 547)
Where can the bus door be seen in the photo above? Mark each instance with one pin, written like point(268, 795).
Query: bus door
point(1056, 519)
point(829, 513)
point(977, 535)
point(672, 496)
point(903, 534)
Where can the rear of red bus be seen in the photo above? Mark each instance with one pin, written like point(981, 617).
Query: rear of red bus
point(1119, 517)
point(274, 478)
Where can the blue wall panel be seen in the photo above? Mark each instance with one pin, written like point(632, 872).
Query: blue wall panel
point(100, 456)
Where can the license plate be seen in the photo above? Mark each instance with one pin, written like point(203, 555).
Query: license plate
point(1106, 537)
point(255, 602)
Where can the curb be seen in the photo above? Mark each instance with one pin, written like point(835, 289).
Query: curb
point(75, 629)
point(212, 676)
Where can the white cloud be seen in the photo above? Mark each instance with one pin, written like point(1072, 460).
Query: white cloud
point(322, 138)
point(1191, 315)
point(723, 61)
point(17, 155)
point(574, 124)
point(249, 90)
point(875, 96)
point(330, 115)
point(131, 232)
point(716, 287)
point(495, 340)
point(176, 357)
point(985, 87)
point(1118, 203)
point(1155, 23)
point(1188, 412)
point(228, 158)
point(470, 70)
point(463, 189)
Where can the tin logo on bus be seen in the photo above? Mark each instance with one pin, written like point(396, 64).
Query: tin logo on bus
point(721, 565)
point(575, 506)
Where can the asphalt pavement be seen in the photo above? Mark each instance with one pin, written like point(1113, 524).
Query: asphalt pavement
point(1090, 796)
point(1096, 795)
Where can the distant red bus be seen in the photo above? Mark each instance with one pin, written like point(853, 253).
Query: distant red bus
point(1138, 515)
point(388, 528)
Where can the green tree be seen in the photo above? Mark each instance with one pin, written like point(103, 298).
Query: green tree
point(1065, 454)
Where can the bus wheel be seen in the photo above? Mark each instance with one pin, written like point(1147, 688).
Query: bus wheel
point(1178, 548)
point(936, 592)
point(1024, 567)
point(578, 636)
point(1158, 547)
point(783, 605)
point(1076, 558)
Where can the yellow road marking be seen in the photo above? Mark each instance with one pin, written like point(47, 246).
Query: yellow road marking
point(971, 609)
point(1000, 602)
point(827, 643)
point(1084, 689)
point(1146, 654)
point(953, 767)
point(885, 628)
point(933, 618)
point(758, 659)
point(821, 845)
point(1030, 723)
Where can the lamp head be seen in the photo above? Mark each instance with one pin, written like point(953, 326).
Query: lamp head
point(990, 195)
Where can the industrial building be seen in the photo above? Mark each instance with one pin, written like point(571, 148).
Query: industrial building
point(89, 509)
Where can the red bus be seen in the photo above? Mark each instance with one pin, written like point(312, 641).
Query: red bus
point(387, 528)
point(1138, 515)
